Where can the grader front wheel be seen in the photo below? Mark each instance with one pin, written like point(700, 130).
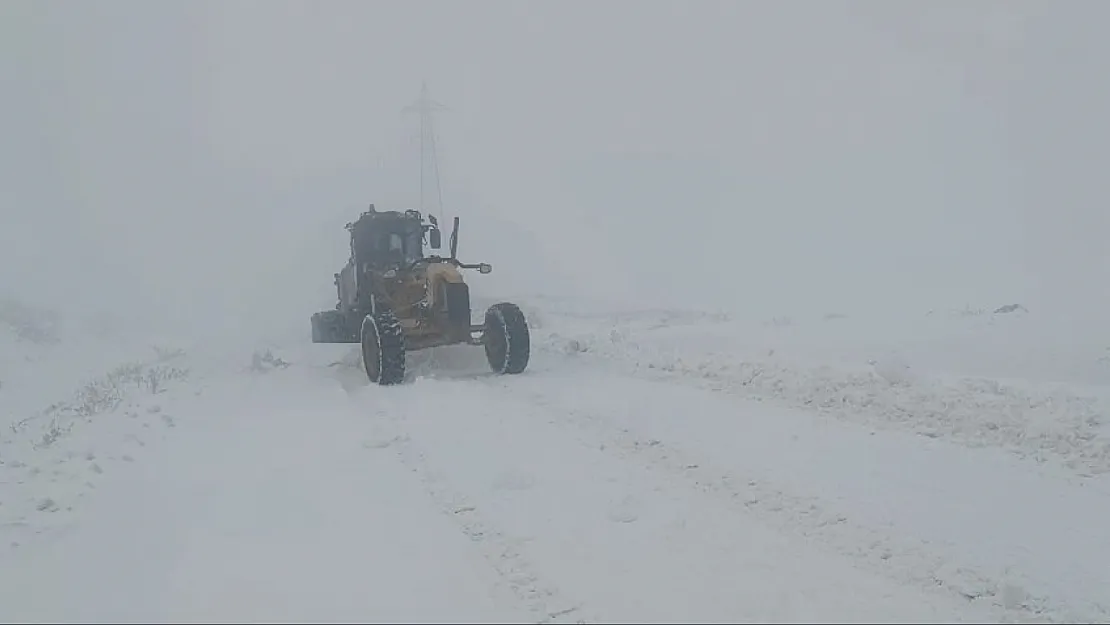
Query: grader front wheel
point(383, 348)
point(506, 339)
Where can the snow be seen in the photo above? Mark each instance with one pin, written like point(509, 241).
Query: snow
point(830, 368)
point(248, 516)
point(651, 465)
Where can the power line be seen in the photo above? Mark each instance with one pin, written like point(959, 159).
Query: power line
point(425, 106)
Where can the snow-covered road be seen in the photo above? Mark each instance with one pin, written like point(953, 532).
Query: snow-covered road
point(267, 506)
point(581, 491)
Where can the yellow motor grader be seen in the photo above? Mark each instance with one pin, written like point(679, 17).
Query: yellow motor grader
point(393, 298)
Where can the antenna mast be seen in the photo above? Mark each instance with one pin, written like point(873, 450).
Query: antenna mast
point(425, 107)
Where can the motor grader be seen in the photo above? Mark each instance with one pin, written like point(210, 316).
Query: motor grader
point(393, 299)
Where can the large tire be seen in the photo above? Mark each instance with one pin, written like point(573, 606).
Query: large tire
point(383, 348)
point(506, 338)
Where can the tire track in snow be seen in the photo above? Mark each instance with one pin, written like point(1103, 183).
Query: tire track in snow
point(612, 532)
point(907, 560)
point(503, 551)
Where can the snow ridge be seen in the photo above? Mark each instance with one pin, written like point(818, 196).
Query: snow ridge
point(1045, 422)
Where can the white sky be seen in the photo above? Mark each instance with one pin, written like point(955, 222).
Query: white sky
point(782, 156)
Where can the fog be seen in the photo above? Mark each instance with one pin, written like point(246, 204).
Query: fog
point(193, 163)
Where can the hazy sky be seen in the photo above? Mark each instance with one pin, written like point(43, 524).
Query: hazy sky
point(200, 158)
